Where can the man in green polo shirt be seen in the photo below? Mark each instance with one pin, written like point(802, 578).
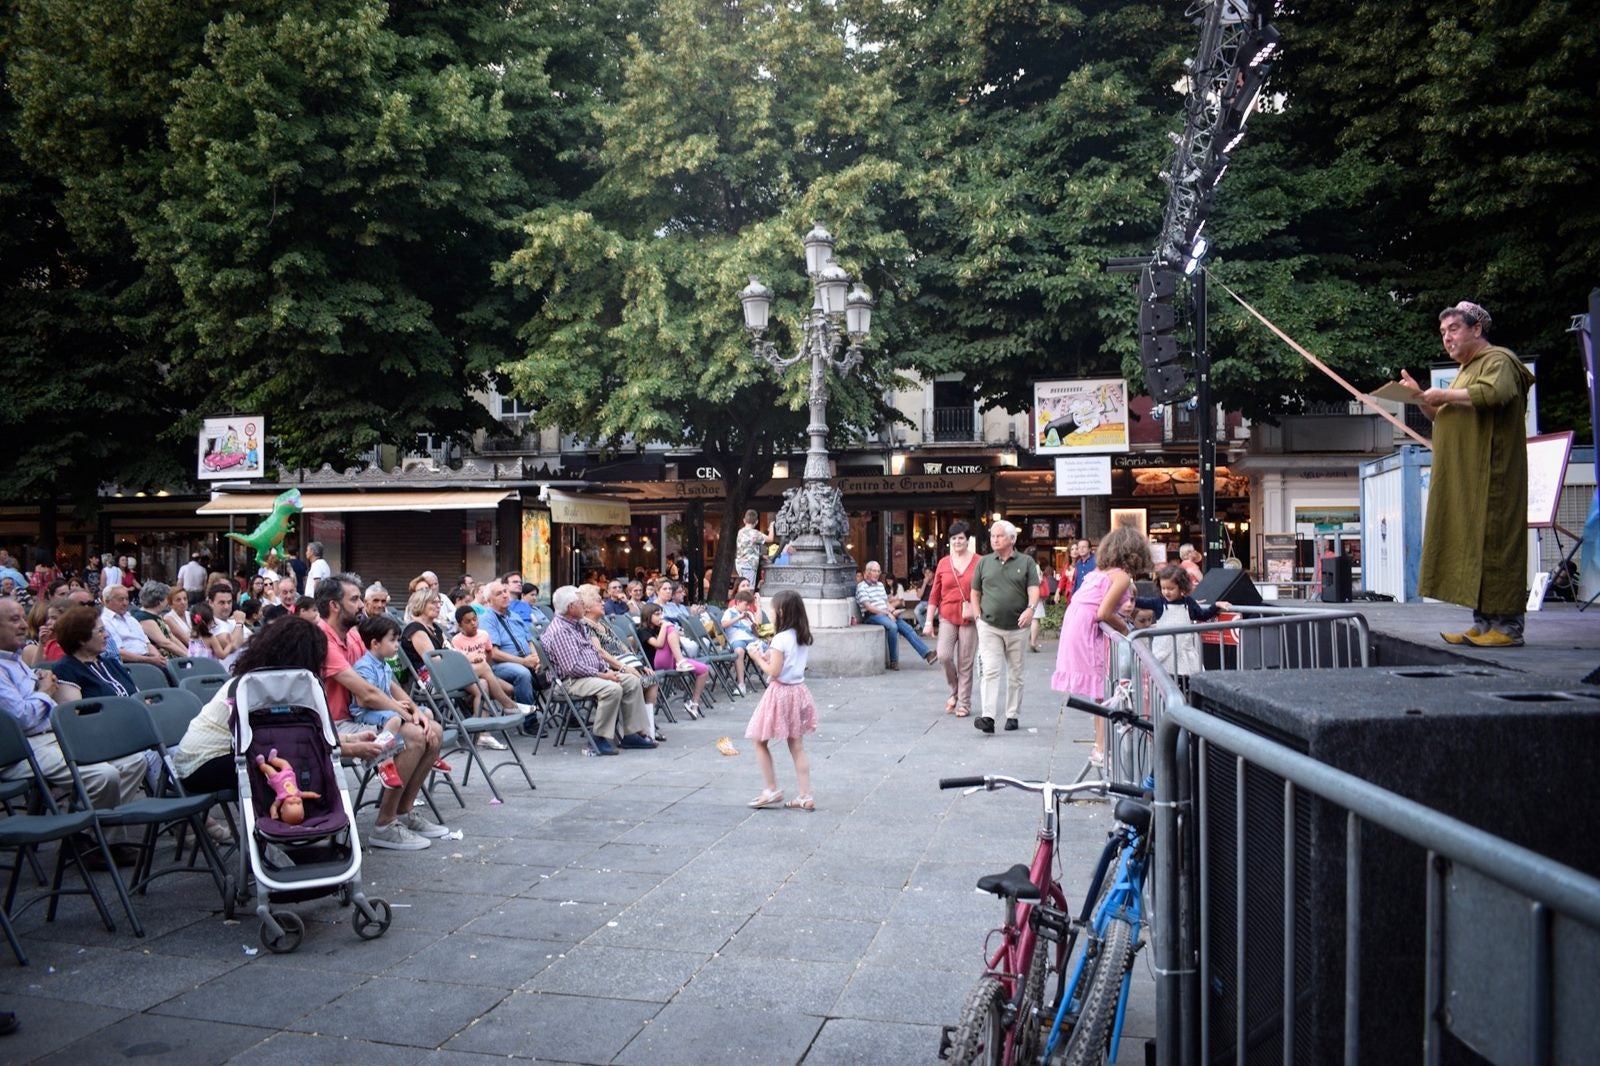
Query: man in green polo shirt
point(1005, 595)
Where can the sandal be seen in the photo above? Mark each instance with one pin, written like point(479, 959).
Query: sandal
point(962, 712)
point(950, 705)
point(766, 799)
point(801, 803)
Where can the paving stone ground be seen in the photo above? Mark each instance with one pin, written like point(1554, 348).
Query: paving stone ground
point(631, 910)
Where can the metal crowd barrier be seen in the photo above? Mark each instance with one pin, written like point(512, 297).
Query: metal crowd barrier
point(1265, 638)
point(1511, 938)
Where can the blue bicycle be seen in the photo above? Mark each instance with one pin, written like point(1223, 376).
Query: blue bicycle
point(1091, 1011)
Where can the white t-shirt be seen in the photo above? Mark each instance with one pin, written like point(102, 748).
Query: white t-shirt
point(126, 628)
point(318, 570)
point(192, 576)
point(794, 657)
point(222, 627)
point(110, 576)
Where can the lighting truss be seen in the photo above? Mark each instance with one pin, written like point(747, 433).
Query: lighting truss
point(1226, 78)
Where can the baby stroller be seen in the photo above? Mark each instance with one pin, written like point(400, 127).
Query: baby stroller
point(284, 710)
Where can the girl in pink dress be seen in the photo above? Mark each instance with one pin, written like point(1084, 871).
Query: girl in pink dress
point(786, 711)
point(1081, 658)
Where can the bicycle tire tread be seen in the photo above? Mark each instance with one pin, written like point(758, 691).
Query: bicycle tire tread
point(987, 996)
point(1091, 1037)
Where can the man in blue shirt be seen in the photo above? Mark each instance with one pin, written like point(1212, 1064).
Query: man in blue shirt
point(1085, 564)
point(512, 658)
point(616, 601)
point(7, 569)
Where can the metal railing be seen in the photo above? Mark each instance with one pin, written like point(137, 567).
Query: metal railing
point(1511, 939)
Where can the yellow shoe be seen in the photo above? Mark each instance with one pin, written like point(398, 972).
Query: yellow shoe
point(1494, 639)
point(1462, 638)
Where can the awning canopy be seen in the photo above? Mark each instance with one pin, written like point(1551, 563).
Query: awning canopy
point(572, 510)
point(318, 502)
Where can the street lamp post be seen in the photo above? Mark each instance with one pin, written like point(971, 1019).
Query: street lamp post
point(812, 520)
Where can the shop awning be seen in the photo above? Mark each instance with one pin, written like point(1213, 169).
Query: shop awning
point(318, 502)
point(573, 510)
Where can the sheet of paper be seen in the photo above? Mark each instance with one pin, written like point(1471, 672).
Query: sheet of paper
point(1396, 392)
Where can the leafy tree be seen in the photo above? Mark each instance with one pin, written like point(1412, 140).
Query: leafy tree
point(727, 136)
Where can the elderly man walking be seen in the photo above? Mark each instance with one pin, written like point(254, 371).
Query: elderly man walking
point(1475, 540)
point(585, 674)
point(1005, 595)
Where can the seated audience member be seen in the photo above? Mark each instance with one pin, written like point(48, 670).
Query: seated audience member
point(576, 660)
point(472, 642)
point(153, 599)
point(204, 757)
point(879, 608)
point(339, 605)
point(177, 615)
point(616, 653)
point(88, 670)
point(381, 634)
point(375, 600)
point(306, 607)
point(227, 625)
point(132, 644)
point(512, 657)
point(665, 645)
point(29, 699)
point(739, 622)
point(616, 601)
point(204, 643)
point(636, 600)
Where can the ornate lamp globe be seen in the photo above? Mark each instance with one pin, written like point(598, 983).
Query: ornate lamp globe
point(757, 301)
point(858, 311)
point(819, 249)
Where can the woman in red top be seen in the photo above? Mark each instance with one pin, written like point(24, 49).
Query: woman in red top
point(950, 603)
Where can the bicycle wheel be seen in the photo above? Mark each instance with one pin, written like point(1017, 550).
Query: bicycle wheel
point(980, 1036)
point(1090, 1041)
point(1030, 1015)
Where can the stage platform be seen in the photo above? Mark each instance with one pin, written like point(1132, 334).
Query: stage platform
point(1563, 644)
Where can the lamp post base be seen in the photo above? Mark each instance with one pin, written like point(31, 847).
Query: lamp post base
point(812, 574)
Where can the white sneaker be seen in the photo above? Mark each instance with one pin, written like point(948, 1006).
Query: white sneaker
point(491, 742)
point(397, 837)
point(738, 690)
point(524, 709)
point(422, 825)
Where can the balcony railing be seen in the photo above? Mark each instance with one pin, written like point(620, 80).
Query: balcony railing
point(955, 425)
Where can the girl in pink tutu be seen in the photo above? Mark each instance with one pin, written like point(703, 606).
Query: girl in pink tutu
point(1081, 658)
point(786, 711)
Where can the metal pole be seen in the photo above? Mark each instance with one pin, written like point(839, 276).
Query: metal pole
point(1205, 426)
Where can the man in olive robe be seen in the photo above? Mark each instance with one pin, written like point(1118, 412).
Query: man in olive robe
point(1475, 541)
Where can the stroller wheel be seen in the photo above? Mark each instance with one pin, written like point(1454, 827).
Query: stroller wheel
point(294, 930)
point(371, 928)
point(344, 895)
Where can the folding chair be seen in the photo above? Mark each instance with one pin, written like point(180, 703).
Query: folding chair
point(450, 676)
point(171, 710)
point(149, 675)
point(101, 730)
point(183, 666)
point(714, 651)
point(204, 686)
point(564, 705)
point(713, 625)
point(665, 681)
point(25, 832)
point(407, 677)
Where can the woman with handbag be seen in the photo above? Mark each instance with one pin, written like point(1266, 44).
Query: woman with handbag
point(950, 605)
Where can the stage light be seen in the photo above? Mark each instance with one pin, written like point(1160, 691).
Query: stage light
point(1197, 253)
point(1264, 44)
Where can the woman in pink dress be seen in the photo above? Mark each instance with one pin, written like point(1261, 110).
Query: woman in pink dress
point(1082, 657)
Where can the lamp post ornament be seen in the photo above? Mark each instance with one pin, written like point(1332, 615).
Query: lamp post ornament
point(812, 518)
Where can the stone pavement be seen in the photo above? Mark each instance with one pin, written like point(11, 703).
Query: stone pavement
point(631, 910)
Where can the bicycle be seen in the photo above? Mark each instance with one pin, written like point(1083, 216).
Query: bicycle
point(1092, 1010)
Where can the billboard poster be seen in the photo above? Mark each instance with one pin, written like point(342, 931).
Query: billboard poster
point(536, 548)
point(232, 448)
point(1086, 416)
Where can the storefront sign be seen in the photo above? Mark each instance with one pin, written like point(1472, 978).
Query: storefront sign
point(1083, 475)
point(1083, 417)
point(572, 510)
point(953, 468)
point(232, 448)
point(889, 484)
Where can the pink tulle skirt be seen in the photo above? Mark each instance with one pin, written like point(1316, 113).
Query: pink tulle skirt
point(785, 711)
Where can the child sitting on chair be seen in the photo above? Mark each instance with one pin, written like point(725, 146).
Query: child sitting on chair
point(382, 636)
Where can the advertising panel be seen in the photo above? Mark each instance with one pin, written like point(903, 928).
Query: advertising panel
point(232, 448)
point(1086, 416)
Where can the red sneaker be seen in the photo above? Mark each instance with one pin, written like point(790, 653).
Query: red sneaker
point(441, 766)
point(389, 775)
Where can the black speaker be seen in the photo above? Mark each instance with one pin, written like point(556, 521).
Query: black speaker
point(1230, 586)
point(1497, 750)
point(1335, 571)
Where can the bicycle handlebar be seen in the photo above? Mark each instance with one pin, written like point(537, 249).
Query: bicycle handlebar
point(1115, 714)
point(993, 781)
point(1134, 791)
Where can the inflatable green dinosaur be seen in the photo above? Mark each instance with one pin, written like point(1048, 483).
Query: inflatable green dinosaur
point(268, 536)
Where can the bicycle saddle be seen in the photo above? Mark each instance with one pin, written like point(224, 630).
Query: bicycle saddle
point(1135, 813)
point(1014, 882)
